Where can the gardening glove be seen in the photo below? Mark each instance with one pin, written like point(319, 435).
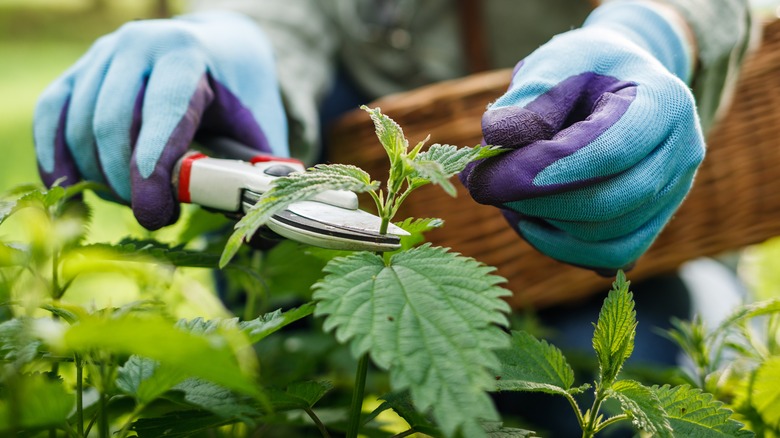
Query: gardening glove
point(604, 135)
point(129, 108)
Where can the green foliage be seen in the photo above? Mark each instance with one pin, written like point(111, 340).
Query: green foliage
point(532, 365)
point(766, 392)
point(737, 360)
point(428, 316)
point(642, 406)
point(613, 339)
point(693, 413)
point(430, 319)
point(34, 402)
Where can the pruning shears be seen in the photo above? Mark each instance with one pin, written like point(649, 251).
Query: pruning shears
point(332, 219)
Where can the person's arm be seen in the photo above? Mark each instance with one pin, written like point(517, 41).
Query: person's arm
point(721, 33)
point(305, 43)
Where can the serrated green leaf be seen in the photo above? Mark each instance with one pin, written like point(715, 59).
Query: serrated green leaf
point(401, 403)
point(429, 317)
point(389, 133)
point(496, 429)
point(765, 391)
point(294, 188)
point(148, 251)
point(433, 172)
point(454, 159)
point(693, 413)
point(34, 402)
point(613, 339)
point(642, 406)
point(264, 325)
point(216, 399)
point(145, 379)
point(416, 229)
point(533, 365)
point(177, 424)
point(309, 393)
point(210, 356)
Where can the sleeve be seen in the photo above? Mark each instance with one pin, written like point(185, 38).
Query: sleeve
point(305, 42)
point(724, 31)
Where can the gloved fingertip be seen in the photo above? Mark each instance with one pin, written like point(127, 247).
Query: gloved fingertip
point(155, 215)
point(514, 127)
point(153, 202)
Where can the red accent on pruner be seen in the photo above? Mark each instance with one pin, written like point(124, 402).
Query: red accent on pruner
point(260, 158)
point(184, 176)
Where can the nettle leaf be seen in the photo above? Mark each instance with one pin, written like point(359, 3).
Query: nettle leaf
point(389, 133)
point(299, 395)
point(533, 365)
point(441, 162)
point(416, 229)
point(496, 429)
point(178, 424)
point(145, 380)
point(215, 399)
point(613, 338)
point(428, 316)
point(35, 401)
point(431, 171)
point(642, 406)
point(150, 251)
point(693, 413)
point(401, 403)
point(296, 187)
point(766, 392)
point(264, 325)
point(453, 159)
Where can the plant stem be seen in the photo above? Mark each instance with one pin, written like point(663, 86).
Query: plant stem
point(575, 406)
point(79, 395)
point(404, 433)
point(356, 408)
point(591, 419)
point(610, 421)
point(318, 422)
point(103, 419)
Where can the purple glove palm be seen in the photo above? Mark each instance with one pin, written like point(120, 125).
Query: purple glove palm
point(129, 108)
point(606, 139)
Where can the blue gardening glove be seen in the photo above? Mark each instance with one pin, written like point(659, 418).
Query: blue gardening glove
point(605, 135)
point(129, 108)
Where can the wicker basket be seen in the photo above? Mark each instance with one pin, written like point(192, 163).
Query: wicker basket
point(735, 200)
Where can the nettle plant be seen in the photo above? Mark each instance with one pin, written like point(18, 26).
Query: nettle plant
point(432, 322)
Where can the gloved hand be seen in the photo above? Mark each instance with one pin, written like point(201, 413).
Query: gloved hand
point(605, 135)
point(129, 108)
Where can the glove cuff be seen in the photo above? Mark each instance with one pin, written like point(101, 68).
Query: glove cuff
point(645, 24)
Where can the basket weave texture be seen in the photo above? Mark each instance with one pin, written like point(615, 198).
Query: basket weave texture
point(735, 200)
